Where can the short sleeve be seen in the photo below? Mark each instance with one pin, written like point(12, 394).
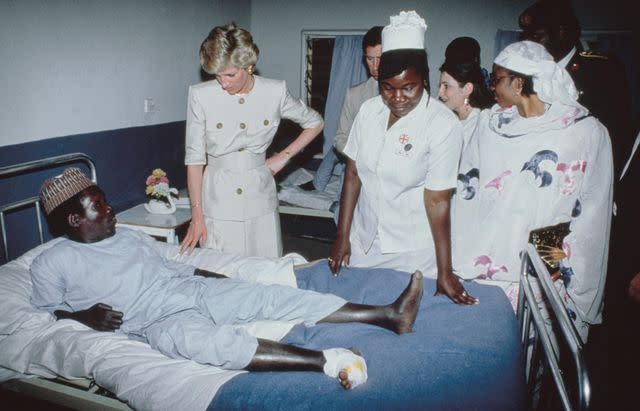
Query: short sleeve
point(295, 110)
point(444, 158)
point(195, 143)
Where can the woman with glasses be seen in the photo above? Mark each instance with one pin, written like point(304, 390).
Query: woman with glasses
point(537, 159)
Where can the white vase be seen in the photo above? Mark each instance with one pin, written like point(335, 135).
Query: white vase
point(160, 207)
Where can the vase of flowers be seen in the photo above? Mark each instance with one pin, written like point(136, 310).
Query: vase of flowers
point(160, 194)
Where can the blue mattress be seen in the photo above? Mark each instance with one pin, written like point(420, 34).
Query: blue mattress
point(457, 357)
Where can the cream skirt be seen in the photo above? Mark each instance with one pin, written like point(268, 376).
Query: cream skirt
point(258, 236)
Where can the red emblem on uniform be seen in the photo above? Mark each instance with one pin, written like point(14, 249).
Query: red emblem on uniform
point(403, 139)
point(575, 67)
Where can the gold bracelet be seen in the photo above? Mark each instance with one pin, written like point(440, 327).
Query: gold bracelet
point(288, 153)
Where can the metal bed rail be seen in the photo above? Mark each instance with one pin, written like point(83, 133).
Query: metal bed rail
point(536, 333)
point(27, 167)
point(75, 395)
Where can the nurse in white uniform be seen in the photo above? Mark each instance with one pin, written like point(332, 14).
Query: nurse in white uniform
point(231, 122)
point(403, 153)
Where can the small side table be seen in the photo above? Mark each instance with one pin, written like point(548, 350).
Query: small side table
point(157, 225)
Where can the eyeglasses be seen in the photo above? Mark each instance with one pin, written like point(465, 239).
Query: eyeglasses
point(493, 80)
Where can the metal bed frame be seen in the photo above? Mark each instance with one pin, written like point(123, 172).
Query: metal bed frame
point(78, 394)
point(541, 344)
point(286, 208)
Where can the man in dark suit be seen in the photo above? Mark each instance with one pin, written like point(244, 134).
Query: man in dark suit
point(600, 79)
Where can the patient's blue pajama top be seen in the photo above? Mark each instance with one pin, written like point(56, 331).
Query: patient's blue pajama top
point(179, 314)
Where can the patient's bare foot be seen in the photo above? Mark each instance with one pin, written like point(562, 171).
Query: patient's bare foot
point(404, 310)
point(398, 316)
point(343, 375)
point(348, 365)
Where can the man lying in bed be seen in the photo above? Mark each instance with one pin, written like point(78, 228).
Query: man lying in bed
point(120, 281)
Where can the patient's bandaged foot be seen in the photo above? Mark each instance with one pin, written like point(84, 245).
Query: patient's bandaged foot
point(349, 368)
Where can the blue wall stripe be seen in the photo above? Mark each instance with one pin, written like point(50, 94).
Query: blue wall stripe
point(124, 158)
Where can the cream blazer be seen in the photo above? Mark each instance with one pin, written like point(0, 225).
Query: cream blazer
point(230, 134)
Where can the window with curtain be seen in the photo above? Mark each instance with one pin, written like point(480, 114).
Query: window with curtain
point(319, 55)
point(333, 63)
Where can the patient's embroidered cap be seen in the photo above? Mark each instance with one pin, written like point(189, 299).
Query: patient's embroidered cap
point(56, 190)
point(405, 31)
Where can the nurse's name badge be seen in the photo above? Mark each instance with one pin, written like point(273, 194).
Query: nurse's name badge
point(404, 146)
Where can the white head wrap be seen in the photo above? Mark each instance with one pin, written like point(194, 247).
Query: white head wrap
point(551, 82)
point(405, 31)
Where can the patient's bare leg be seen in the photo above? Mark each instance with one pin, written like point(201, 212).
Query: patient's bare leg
point(398, 316)
point(274, 356)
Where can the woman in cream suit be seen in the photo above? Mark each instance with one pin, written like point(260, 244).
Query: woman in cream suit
point(231, 122)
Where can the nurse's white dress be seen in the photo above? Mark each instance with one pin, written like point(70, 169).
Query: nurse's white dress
point(230, 135)
point(420, 151)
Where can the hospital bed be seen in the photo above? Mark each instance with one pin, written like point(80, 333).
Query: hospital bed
point(458, 357)
point(295, 201)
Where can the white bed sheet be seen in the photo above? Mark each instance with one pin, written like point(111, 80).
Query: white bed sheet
point(319, 200)
point(32, 342)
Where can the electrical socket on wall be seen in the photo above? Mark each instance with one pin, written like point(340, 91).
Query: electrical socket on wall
point(149, 105)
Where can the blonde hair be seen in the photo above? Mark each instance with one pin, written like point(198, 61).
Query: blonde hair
point(228, 45)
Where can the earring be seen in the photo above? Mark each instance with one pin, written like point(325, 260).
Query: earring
point(250, 70)
point(466, 101)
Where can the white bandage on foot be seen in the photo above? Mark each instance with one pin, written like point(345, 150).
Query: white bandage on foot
point(341, 359)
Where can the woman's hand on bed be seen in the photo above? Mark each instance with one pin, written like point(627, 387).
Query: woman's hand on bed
point(450, 285)
point(100, 317)
point(197, 233)
point(340, 254)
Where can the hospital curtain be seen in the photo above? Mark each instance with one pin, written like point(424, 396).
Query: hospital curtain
point(503, 39)
point(347, 70)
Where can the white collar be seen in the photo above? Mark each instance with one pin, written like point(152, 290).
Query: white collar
point(424, 101)
point(565, 60)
